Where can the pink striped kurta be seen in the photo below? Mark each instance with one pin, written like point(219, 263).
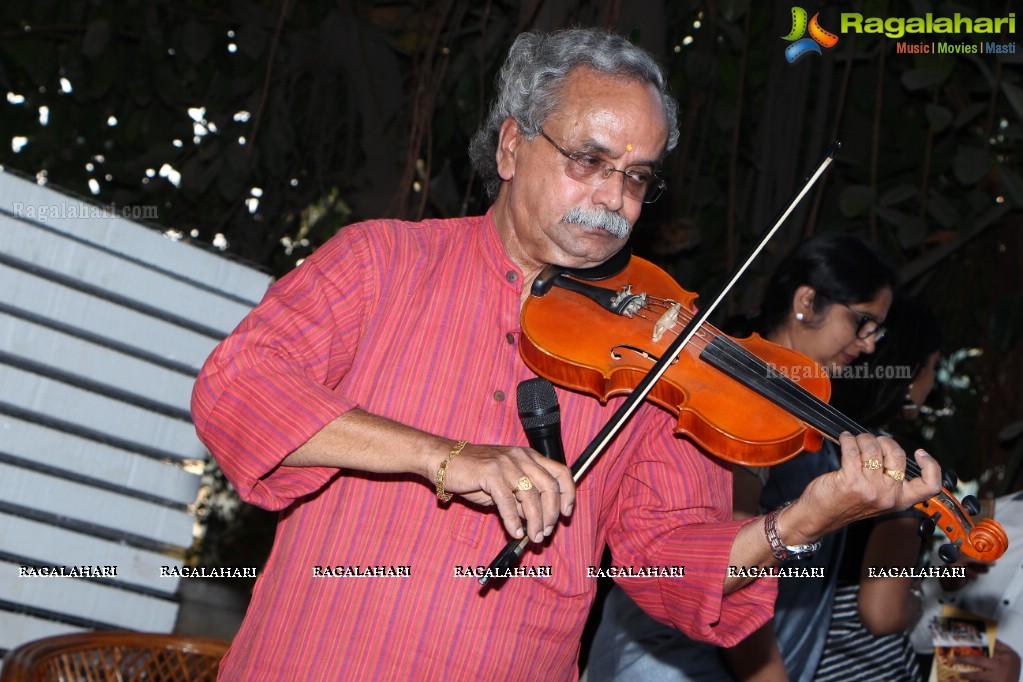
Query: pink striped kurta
point(419, 323)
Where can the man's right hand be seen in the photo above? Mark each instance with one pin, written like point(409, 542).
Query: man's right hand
point(483, 474)
point(491, 475)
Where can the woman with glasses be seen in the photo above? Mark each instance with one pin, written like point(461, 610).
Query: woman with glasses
point(868, 636)
point(827, 299)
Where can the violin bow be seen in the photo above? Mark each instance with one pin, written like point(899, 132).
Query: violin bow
point(515, 547)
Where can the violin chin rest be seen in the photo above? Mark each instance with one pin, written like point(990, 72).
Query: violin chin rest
point(609, 268)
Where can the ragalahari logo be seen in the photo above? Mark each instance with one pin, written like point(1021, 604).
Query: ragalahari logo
point(818, 36)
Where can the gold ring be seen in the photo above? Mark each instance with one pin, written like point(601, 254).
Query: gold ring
point(872, 464)
point(897, 475)
point(525, 484)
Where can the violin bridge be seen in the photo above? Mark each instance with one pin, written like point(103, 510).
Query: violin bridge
point(667, 321)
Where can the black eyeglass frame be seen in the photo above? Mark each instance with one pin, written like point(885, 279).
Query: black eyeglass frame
point(654, 186)
point(879, 330)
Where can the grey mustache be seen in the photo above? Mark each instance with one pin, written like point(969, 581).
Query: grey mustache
point(612, 223)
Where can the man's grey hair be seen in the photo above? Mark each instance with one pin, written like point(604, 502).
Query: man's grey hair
point(529, 86)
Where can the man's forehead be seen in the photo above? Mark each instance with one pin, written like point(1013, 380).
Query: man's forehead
point(610, 112)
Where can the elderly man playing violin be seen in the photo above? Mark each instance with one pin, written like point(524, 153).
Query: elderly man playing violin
point(366, 398)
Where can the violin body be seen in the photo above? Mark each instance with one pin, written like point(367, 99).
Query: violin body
point(605, 341)
point(573, 342)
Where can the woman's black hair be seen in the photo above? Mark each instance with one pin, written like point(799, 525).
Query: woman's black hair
point(841, 268)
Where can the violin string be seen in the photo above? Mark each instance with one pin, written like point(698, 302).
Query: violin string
point(778, 384)
point(775, 386)
point(751, 370)
point(757, 371)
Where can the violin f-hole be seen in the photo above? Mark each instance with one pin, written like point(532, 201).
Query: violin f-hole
point(639, 351)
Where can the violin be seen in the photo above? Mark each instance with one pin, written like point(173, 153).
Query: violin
point(748, 401)
point(644, 332)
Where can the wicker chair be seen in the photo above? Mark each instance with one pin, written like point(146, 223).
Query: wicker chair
point(114, 656)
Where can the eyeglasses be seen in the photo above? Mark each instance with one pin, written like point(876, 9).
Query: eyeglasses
point(592, 170)
point(867, 326)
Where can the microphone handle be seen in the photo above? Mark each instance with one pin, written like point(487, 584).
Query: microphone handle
point(508, 557)
point(548, 443)
point(513, 551)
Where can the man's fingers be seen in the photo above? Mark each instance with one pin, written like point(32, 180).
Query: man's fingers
point(850, 450)
point(545, 497)
point(928, 484)
point(529, 495)
point(508, 508)
point(565, 485)
point(893, 460)
point(529, 491)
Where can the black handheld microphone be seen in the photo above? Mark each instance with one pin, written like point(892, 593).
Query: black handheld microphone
point(541, 417)
point(541, 420)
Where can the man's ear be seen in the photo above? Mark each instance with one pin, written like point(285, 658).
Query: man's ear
point(508, 138)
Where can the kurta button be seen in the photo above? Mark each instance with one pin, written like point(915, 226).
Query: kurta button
point(498, 396)
point(511, 275)
point(509, 337)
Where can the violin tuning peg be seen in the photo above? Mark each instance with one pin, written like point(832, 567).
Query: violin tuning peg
point(949, 553)
point(972, 505)
point(926, 528)
point(949, 479)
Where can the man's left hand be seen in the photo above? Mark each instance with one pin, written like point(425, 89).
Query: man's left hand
point(871, 481)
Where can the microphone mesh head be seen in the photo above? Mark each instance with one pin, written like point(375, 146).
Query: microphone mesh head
point(538, 404)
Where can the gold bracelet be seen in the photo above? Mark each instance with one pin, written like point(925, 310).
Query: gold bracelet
point(442, 495)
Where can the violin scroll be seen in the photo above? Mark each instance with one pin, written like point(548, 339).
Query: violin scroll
point(988, 539)
point(984, 540)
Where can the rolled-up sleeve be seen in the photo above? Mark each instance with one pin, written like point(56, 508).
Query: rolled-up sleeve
point(273, 383)
point(674, 508)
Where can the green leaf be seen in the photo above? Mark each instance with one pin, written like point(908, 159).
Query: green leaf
point(969, 113)
point(972, 164)
point(893, 216)
point(855, 200)
point(920, 79)
point(941, 210)
point(102, 75)
point(97, 37)
point(909, 229)
point(912, 232)
point(898, 194)
point(940, 117)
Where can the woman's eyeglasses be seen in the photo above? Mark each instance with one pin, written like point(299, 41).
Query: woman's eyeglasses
point(867, 326)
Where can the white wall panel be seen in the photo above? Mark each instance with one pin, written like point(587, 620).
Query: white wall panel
point(19, 196)
point(51, 300)
point(46, 447)
point(18, 628)
point(49, 545)
point(95, 362)
point(90, 600)
point(109, 510)
point(98, 413)
point(102, 269)
point(104, 324)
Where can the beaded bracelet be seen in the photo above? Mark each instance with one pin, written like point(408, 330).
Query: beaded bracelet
point(779, 549)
